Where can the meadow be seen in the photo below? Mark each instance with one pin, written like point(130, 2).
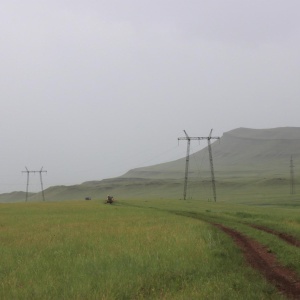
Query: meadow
point(151, 244)
point(138, 249)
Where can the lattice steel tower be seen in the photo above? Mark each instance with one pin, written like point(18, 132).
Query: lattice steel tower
point(41, 180)
point(292, 179)
point(188, 139)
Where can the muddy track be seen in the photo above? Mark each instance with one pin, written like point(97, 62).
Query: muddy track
point(261, 258)
point(286, 237)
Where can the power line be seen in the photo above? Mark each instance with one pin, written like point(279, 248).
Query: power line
point(41, 180)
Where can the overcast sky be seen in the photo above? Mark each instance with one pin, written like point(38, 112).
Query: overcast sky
point(90, 89)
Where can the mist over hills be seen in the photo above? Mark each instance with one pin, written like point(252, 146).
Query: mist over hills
point(241, 154)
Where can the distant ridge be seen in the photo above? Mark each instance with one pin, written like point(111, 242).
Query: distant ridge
point(242, 155)
point(280, 133)
point(240, 152)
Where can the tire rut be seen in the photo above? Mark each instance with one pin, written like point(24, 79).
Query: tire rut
point(262, 259)
point(286, 237)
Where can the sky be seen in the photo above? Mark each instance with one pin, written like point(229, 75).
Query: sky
point(91, 89)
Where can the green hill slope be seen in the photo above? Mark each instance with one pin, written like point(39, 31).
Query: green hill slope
point(14, 197)
point(240, 152)
point(246, 161)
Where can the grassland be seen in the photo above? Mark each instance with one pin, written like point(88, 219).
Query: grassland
point(137, 249)
point(150, 244)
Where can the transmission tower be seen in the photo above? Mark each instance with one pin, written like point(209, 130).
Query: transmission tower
point(213, 182)
point(41, 180)
point(188, 139)
point(292, 187)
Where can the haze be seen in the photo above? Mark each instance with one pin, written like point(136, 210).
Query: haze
point(91, 89)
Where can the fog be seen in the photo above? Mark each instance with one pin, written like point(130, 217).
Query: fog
point(91, 89)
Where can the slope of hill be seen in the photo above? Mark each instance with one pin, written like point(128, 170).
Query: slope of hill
point(242, 157)
point(240, 152)
point(14, 197)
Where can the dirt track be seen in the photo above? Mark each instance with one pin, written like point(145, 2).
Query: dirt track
point(260, 258)
point(286, 237)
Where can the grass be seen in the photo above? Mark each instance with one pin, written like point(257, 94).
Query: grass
point(131, 250)
point(142, 248)
point(280, 218)
point(253, 189)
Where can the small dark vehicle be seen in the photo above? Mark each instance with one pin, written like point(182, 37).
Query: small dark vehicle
point(110, 199)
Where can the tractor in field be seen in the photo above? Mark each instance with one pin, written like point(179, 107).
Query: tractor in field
point(110, 199)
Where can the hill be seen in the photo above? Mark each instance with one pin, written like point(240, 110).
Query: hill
point(241, 152)
point(243, 159)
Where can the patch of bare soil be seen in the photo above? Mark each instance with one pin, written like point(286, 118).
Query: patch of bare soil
point(262, 259)
point(286, 237)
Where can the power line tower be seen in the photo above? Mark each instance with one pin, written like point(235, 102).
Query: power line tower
point(41, 180)
point(213, 182)
point(188, 139)
point(292, 186)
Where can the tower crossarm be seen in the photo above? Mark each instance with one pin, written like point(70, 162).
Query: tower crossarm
point(198, 138)
point(191, 138)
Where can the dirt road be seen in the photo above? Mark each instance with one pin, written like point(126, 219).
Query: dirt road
point(262, 259)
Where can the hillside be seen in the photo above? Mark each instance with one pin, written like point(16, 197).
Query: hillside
point(240, 152)
point(242, 157)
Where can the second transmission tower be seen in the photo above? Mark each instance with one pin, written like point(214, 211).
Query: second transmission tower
point(41, 180)
point(213, 182)
point(292, 180)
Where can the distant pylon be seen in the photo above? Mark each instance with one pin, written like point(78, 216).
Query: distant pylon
point(292, 180)
point(27, 183)
point(213, 182)
point(41, 180)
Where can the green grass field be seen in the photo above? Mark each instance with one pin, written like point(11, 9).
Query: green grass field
point(150, 244)
point(138, 249)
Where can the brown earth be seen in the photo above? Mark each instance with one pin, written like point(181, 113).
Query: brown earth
point(286, 237)
point(262, 259)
